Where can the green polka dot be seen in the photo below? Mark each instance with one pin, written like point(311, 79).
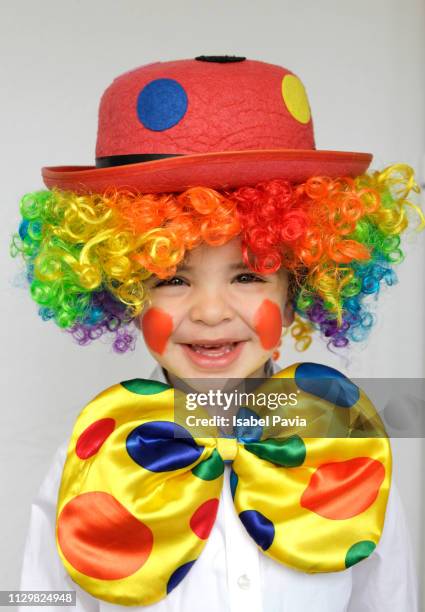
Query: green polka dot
point(359, 551)
point(288, 452)
point(141, 386)
point(211, 468)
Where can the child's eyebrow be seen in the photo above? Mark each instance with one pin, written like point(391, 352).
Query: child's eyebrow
point(234, 266)
point(238, 266)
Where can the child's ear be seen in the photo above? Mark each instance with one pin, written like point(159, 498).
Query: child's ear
point(288, 314)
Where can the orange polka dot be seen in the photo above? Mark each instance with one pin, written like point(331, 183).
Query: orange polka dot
point(343, 489)
point(102, 539)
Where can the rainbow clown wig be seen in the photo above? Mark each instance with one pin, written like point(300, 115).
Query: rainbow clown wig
point(92, 240)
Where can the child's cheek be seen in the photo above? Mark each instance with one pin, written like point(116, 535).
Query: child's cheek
point(268, 324)
point(157, 327)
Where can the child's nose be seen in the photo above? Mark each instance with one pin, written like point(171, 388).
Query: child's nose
point(210, 308)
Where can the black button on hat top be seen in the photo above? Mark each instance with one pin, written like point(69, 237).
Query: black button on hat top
point(220, 59)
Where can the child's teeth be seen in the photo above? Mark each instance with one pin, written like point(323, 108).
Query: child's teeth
point(215, 349)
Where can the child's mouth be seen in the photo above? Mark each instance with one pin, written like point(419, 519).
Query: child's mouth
point(214, 354)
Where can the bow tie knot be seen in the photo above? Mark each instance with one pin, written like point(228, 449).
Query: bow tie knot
point(227, 448)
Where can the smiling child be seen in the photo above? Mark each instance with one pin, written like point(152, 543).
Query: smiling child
point(211, 225)
point(216, 317)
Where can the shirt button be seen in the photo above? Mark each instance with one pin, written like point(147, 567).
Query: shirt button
point(244, 582)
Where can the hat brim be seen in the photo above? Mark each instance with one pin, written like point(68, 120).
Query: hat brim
point(218, 170)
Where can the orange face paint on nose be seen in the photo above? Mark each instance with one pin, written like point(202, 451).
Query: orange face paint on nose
point(268, 324)
point(157, 326)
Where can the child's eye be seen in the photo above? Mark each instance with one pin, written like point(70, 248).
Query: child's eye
point(249, 277)
point(174, 281)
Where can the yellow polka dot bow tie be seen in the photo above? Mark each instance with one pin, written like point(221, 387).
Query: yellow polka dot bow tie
point(137, 502)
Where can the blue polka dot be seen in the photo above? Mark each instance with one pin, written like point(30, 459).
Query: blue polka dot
point(248, 433)
point(327, 383)
point(260, 528)
point(178, 575)
point(162, 446)
point(161, 104)
point(234, 478)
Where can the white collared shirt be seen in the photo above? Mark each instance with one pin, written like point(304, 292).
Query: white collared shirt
point(232, 574)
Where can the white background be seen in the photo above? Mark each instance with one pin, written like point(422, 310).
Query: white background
point(362, 65)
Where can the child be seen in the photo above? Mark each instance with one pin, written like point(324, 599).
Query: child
point(212, 223)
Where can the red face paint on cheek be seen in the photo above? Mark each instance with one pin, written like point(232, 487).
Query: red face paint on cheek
point(268, 324)
point(157, 326)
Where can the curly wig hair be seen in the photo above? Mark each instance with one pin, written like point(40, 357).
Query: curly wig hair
point(87, 256)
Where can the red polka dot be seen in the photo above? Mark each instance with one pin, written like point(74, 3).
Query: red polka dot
point(344, 489)
point(203, 518)
point(93, 437)
point(101, 539)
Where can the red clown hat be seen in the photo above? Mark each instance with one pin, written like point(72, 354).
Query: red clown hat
point(215, 121)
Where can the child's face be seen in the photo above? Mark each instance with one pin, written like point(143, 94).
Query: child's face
point(215, 318)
